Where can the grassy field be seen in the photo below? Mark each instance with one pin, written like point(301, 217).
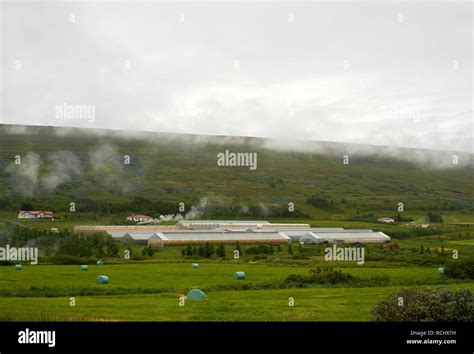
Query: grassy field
point(87, 168)
point(180, 277)
point(311, 304)
point(261, 305)
point(177, 277)
point(171, 280)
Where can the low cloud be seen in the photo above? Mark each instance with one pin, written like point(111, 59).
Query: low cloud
point(423, 158)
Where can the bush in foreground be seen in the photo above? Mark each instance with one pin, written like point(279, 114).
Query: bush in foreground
point(427, 305)
point(460, 269)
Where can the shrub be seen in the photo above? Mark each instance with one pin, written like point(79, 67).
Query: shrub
point(434, 217)
point(318, 276)
point(393, 246)
point(189, 250)
point(400, 218)
point(460, 269)
point(259, 257)
point(67, 259)
point(426, 304)
point(327, 275)
point(7, 263)
point(221, 251)
point(201, 251)
point(148, 251)
point(208, 250)
point(138, 257)
point(415, 232)
point(74, 249)
point(261, 249)
point(300, 256)
point(322, 203)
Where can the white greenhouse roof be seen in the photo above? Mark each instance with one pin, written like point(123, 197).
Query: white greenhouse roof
point(228, 236)
point(139, 236)
point(222, 222)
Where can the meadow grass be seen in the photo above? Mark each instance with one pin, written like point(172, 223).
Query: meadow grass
point(315, 304)
point(180, 276)
point(177, 276)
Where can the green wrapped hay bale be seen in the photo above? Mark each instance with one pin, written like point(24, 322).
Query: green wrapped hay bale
point(195, 265)
point(196, 294)
point(102, 279)
point(99, 263)
point(239, 275)
point(18, 267)
point(84, 267)
point(441, 270)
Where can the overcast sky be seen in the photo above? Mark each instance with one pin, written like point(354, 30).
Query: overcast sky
point(395, 73)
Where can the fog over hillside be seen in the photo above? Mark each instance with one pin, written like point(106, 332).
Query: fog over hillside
point(424, 158)
point(381, 73)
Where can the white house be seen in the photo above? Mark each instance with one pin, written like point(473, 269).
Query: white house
point(139, 218)
point(35, 214)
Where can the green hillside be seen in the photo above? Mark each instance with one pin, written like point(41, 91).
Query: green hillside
point(167, 169)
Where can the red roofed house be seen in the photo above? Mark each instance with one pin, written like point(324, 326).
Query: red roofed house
point(35, 214)
point(139, 217)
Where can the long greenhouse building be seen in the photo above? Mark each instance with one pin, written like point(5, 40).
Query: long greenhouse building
point(230, 232)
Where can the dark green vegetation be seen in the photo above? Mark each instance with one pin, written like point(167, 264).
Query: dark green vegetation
point(62, 247)
point(414, 305)
point(87, 168)
point(460, 270)
point(165, 170)
point(328, 275)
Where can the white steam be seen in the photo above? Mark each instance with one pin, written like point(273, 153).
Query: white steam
point(26, 173)
point(63, 167)
point(109, 167)
point(199, 210)
point(171, 217)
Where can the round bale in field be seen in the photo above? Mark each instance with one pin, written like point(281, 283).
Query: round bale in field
point(18, 267)
point(102, 279)
point(84, 267)
point(239, 275)
point(99, 263)
point(196, 294)
point(195, 265)
point(441, 270)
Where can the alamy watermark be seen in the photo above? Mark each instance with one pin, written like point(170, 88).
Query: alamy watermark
point(76, 112)
point(237, 159)
point(401, 111)
point(37, 337)
point(8, 253)
point(336, 253)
